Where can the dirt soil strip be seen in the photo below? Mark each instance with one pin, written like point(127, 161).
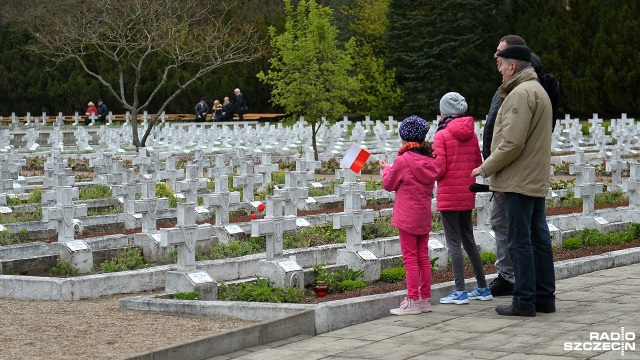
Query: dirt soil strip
point(94, 329)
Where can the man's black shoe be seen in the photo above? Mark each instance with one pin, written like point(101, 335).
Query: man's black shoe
point(501, 287)
point(510, 310)
point(547, 309)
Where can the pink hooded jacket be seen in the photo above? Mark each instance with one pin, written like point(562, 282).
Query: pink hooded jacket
point(412, 177)
point(457, 148)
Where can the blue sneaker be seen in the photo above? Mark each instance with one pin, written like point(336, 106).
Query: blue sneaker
point(456, 297)
point(480, 294)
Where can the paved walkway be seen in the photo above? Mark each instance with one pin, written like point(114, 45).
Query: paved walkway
point(601, 302)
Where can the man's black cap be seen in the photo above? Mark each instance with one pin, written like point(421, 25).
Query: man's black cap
point(517, 52)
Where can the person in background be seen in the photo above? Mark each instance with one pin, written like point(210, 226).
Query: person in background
point(502, 285)
point(456, 145)
point(202, 109)
point(91, 111)
point(519, 168)
point(216, 110)
point(241, 105)
point(412, 176)
point(103, 111)
point(227, 110)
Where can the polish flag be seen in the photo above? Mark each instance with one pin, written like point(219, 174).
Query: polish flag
point(355, 158)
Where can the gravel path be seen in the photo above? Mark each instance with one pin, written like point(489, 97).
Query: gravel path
point(94, 329)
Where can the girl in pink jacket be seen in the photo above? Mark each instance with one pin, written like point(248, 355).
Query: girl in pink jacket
point(456, 145)
point(412, 177)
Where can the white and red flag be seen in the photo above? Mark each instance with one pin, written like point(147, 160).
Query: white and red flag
point(355, 158)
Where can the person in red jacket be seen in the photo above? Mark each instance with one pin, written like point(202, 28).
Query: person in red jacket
point(412, 177)
point(456, 145)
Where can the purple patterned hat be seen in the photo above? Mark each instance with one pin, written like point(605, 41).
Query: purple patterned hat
point(413, 129)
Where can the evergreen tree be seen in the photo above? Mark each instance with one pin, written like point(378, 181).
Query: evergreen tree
point(309, 73)
point(426, 42)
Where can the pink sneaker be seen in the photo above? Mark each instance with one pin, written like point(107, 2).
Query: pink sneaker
point(425, 305)
point(407, 307)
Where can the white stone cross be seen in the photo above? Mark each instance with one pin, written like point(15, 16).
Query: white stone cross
point(143, 161)
point(185, 235)
point(220, 200)
point(588, 189)
point(247, 180)
point(353, 216)
point(127, 189)
point(148, 205)
point(615, 165)
point(273, 226)
point(170, 174)
point(632, 186)
point(191, 184)
point(63, 211)
point(265, 169)
point(294, 192)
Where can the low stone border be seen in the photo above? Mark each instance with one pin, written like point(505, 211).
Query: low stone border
point(282, 321)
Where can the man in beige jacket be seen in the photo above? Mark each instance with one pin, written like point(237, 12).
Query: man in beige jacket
point(519, 167)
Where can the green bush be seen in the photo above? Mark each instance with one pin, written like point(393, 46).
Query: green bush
point(393, 275)
point(164, 191)
point(261, 290)
point(350, 274)
point(64, 269)
point(350, 285)
point(127, 258)
point(98, 191)
point(192, 295)
point(237, 248)
point(572, 243)
point(329, 278)
point(488, 257)
point(591, 237)
point(380, 228)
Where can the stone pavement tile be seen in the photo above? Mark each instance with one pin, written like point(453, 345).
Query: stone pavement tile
point(523, 328)
point(592, 317)
point(237, 354)
point(293, 339)
point(220, 357)
point(476, 324)
point(615, 288)
point(459, 310)
point(280, 354)
point(419, 336)
point(384, 351)
point(521, 356)
point(461, 354)
point(415, 321)
point(628, 281)
point(587, 296)
point(377, 333)
point(327, 344)
point(258, 348)
point(617, 355)
point(481, 342)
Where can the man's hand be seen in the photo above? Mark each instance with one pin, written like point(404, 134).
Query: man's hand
point(476, 172)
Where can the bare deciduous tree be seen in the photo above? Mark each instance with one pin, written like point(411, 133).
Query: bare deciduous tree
point(182, 39)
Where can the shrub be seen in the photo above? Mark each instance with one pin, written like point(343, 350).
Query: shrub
point(64, 269)
point(261, 290)
point(350, 274)
point(98, 191)
point(393, 275)
point(330, 279)
point(164, 191)
point(350, 285)
point(488, 257)
point(572, 243)
point(192, 295)
point(380, 228)
point(127, 258)
point(591, 237)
